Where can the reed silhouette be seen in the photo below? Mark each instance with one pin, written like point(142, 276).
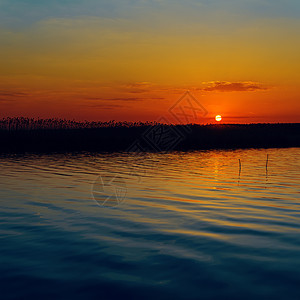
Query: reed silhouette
point(19, 135)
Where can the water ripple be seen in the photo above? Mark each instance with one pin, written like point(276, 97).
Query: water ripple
point(192, 226)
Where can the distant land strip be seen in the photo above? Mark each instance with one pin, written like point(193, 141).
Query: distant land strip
point(25, 135)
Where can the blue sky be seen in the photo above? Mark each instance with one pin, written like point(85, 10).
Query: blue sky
point(19, 13)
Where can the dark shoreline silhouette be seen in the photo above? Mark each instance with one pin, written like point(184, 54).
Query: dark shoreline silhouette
point(21, 135)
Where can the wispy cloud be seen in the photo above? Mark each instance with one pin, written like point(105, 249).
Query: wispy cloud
point(105, 106)
point(113, 99)
point(12, 94)
point(125, 99)
point(226, 86)
point(137, 87)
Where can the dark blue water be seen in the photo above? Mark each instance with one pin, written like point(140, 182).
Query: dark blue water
point(159, 226)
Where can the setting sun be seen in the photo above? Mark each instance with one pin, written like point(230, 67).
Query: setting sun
point(218, 118)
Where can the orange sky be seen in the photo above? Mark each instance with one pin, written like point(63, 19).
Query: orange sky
point(134, 64)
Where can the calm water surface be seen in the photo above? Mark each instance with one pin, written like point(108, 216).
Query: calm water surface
point(189, 226)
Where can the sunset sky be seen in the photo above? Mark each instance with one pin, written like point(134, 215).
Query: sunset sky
point(132, 59)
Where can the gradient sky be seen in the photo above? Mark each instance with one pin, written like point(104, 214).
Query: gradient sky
point(133, 59)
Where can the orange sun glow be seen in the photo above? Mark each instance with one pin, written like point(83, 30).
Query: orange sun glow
point(218, 118)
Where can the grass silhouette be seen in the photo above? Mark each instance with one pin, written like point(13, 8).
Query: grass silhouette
point(19, 135)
